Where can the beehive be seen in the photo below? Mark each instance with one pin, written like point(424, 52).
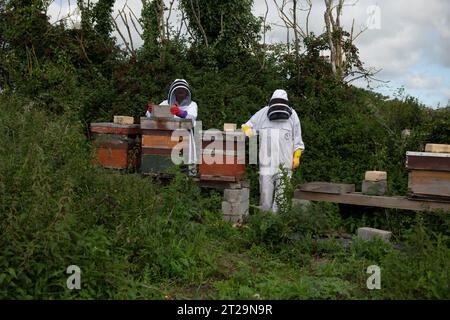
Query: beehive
point(429, 175)
point(117, 145)
point(223, 156)
point(160, 137)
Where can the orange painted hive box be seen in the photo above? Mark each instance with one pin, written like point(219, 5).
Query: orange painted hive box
point(223, 156)
point(117, 145)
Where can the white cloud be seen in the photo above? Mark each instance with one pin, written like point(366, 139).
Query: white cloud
point(413, 34)
point(417, 81)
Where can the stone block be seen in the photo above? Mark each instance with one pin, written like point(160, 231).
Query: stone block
point(375, 175)
point(236, 195)
point(374, 188)
point(232, 218)
point(366, 233)
point(238, 208)
point(432, 147)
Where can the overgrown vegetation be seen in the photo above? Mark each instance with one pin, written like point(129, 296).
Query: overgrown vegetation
point(136, 239)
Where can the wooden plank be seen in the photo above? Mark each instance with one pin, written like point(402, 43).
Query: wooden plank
point(217, 135)
point(123, 120)
point(229, 127)
point(165, 124)
point(113, 158)
point(161, 111)
point(164, 139)
point(433, 183)
point(430, 161)
point(328, 187)
point(112, 128)
point(101, 138)
point(229, 167)
point(218, 178)
point(433, 147)
point(373, 201)
point(158, 151)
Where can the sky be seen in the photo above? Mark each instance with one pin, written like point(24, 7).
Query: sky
point(408, 40)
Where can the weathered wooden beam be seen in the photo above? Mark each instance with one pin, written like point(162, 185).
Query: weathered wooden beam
point(165, 124)
point(359, 199)
point(113, 128)
point(328, 187)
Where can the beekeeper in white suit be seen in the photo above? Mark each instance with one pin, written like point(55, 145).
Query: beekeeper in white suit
point(280, 142)
point(182, 106)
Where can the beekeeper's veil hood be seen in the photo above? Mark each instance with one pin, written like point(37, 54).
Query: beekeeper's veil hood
point(179, 83)
point(279, 108)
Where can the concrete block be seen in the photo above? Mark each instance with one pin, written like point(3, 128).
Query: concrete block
point(374, 188)
point(232, 218)
point(242, 207)
point(227, 209)
point(432, 147)
point(236, 195)
point(366, 233)
point(375, 175)
point(245, 184)
point(238, 208)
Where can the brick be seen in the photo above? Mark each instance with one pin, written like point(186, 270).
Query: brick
point(236, 195)
point(432, 147)
point(374, 188)
point(123, 120)
point(375, 175)
point(366, 233)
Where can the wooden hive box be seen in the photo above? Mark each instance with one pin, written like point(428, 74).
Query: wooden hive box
point(223, 156)
point(159, 138)
point(429, 175)
point(117, 145)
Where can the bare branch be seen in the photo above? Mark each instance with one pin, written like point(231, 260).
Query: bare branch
point(123, 16)
point(197, 18)
point(168, 17)
point(121, 35)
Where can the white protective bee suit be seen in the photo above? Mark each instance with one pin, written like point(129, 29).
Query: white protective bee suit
point(190, 108)
point(278, 139)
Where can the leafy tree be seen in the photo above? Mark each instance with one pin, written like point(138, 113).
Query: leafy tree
point(227, 27)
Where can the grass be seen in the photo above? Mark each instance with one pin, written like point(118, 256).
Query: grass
point(136, 239)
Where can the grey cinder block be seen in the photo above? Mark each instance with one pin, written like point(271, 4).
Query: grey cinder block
point(374, 188)
point(366, 233)
point(236, 195)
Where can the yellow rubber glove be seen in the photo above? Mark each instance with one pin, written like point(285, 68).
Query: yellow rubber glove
point(296, 160)
point(248, 131)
